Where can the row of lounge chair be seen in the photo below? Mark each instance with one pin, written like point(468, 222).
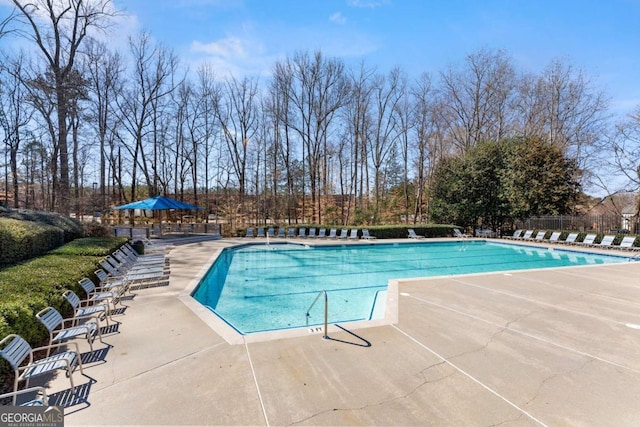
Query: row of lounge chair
point(119, 271)
point(302, 233)
point(627, 242)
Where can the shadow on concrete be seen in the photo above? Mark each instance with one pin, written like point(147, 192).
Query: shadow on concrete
point(361, 342)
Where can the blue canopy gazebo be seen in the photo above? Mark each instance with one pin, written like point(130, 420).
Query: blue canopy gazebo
point(158, 203)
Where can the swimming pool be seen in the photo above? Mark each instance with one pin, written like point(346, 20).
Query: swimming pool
point(256, 288)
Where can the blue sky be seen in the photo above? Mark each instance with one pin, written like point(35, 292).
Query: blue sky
point(247, 36)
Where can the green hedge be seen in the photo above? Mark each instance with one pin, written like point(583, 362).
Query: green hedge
point(90, 246)
point(380, 232)
point(71, 228)
point(401, 231)
point(26, 234)
point(32, 285)
point(20, 240)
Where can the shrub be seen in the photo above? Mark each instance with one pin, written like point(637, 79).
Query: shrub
point(401, 231)
point(20, 240)
point(95, 229)
point(91, 246)
point(381, 231)
point(71, 228)
point(35, 284)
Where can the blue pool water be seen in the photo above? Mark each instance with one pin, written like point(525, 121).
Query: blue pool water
point(260, 288)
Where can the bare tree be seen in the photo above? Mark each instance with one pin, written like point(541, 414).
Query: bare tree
point(152, 80)
point(425, 136)
point(563, 107)
point(286, 146)
point(104, 72)
point(318, 90)
point(624, 147)
point(58, 29)
point(475, 98)
point(529, 105)
point(359, 124)
point(575, 111)
point(183, 147)
point(15, 115)
point(41, 96)
point(5, 24)
point(76, 118)
point(237, 114)
point(36, 160)
point(207, 99)
point(388, 92)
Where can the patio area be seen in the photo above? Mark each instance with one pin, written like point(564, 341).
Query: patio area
point(545, 347)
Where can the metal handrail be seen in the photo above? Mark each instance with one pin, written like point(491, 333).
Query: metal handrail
point(326, 311)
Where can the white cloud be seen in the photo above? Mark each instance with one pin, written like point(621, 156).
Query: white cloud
point(228, 48)
point(337, 18)
point(232, 56)
point(368, 3)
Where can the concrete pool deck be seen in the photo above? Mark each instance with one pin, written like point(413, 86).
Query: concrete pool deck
point(545, 347)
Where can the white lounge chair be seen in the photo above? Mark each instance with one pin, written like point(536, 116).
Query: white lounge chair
point(108, 283)
point(322, 233)
point(59, 332)
point(120, 271)
point(459, 234)
point(82, 308)
point(484, 232)
point(555, 236)
point(343, 233)
point(302, 232)
point(132, 260)
point(627, 243)
point(332, 233)
point(40, 398)
point(366, 235)
point(312, 233)
point(526, 236)
point(129, 250)
point(588, 240)
point(94, 295)
point(539, 235)
point(15, 350)
point(131, 264)
point(516, 234)
point(570, 240)
point(605, 242)
point(291, 233)
point(413, 235)
point(353, 234)
point(120, 262)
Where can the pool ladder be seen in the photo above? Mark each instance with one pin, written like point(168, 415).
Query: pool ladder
point(326, 310)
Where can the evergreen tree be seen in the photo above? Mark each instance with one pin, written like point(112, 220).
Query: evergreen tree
point(497, 182)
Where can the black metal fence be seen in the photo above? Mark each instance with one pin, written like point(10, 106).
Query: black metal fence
point(617, 224)
point(146, 231)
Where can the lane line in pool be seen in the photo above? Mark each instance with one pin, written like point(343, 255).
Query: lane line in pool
point(255, 381)
point(468, 375)
point(528, 335)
